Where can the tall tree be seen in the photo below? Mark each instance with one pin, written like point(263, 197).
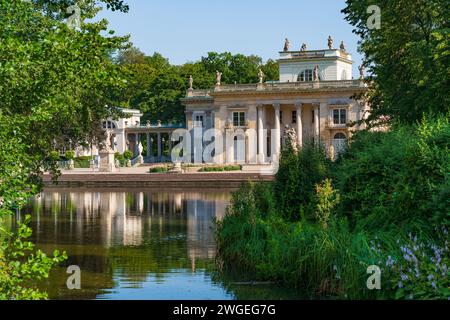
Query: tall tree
point(54, 82)
point(408, 55)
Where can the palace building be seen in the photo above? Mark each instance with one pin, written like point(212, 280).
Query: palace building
point(315, 99)
point(315, 96)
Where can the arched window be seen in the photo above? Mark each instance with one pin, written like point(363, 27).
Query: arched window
point(306, 75)
point(340, 136)
point(344, 75)
point(339, 143)
point(109, 125)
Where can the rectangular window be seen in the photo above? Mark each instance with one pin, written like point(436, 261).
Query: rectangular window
point(199, 121)
point(339, 116)
point(294, 117)
point(239, 119)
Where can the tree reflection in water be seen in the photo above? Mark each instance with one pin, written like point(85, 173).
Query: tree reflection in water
point(128, 239)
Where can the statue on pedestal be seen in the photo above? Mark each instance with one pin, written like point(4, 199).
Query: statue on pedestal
point(191, 83)
point(342, 46)
point(106, 154)
point(107, 144)
point(140, 149)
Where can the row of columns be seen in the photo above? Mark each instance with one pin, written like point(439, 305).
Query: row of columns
point(277, 127)
point(149, 144)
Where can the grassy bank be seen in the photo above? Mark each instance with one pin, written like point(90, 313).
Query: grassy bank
point(320, 225)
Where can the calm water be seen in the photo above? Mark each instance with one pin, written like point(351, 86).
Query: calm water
point(138, 244)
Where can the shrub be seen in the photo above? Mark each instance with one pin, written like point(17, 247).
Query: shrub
point(119, 157)
point(221, 168)
point(326, 201)
point(158, 170)
point(128, 155)
point(296, 180)
point(82, 162)
point(398, 178)
point(70, 155)
point(54, 156)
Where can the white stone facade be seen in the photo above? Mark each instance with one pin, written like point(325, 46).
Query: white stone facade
point(257, 116)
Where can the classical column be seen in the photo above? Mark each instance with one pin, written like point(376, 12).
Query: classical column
point(252, 142)
point(149, 146)
point(136, 147)
point(299, 124)
point(316, 122)
point(260, 134)
point(277, 137)
point(159, 145)
point(170, 145)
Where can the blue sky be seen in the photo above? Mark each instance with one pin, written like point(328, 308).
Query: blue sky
point(185, 30)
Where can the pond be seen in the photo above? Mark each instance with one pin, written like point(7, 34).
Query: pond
point(138, 244)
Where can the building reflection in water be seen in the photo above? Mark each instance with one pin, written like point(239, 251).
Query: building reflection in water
point(130, 219)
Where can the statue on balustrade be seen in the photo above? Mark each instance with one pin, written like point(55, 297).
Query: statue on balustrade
point(330, 43)
point(218, 78)
point(261, 76)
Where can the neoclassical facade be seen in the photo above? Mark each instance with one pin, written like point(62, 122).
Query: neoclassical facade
point(314, 97)
point(129, 133)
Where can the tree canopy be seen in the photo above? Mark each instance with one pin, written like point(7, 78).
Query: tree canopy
point(408, 56)
point(54, 87)
point(155, 86)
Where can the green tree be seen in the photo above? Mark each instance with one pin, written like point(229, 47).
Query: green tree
point(130, 56)
point(54, 85)
point(408, 56)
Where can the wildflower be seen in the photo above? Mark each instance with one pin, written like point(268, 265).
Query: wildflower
point(400, 285)
point(433, 284)
point(389, 262)
point(430, 277)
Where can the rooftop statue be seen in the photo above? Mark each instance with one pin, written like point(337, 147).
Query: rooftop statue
point(330, 43)
point(287, 45)
point(342, 47)
point(218, 78)
point(361, 71)
point(261, 76)
point(304, 47)
point(191, 82)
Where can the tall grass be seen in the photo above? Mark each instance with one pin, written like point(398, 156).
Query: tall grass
point(306, 234)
